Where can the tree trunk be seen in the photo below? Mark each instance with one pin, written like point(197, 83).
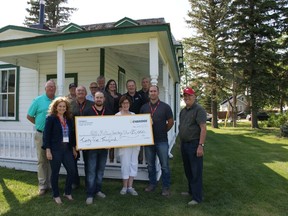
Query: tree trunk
point(234, 109)
point(234, 105)
point(214, 110)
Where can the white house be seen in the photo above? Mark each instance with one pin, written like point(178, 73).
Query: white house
point(241, 104)
point(121, 50)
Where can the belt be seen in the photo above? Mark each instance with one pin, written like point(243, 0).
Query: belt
point(39, 131)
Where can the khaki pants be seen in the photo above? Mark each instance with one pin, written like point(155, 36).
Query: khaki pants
point(44, 169)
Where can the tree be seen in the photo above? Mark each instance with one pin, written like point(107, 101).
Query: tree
point(55, 13)
point(255, 27)
point(204, 50)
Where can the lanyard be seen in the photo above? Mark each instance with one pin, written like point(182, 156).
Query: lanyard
point(153, 110)
point(63, 123)
point(81, 107)
point(96, 111)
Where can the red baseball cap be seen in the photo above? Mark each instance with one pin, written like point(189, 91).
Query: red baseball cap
point(188, 91)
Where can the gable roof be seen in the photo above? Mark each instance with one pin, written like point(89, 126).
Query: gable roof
point(230, 98)
point(126, 22)
point(72, 27)
point(145, 28)
point(93, 30)
point(25, 29)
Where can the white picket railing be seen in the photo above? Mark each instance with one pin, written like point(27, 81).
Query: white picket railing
point(17, 150)
point(17, 145)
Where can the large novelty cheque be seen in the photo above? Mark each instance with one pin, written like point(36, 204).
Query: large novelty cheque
point(95, 132)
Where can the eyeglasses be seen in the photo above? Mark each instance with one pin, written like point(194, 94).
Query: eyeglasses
point(93, 87)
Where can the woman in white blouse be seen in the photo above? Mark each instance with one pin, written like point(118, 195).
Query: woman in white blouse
point(128, 155)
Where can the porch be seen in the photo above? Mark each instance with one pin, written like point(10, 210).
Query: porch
point(18, 151)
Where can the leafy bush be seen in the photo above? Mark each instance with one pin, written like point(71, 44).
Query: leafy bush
point(277, 120)
point(284, 130)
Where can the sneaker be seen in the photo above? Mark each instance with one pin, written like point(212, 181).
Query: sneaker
point(100, 194)
point(132, 191)
point(89, 200)
point(193, 202)
point(123, 191)
point(69, 197)
point(150, 188)
point(41, 192)
point(58, 200)
point(165, 192)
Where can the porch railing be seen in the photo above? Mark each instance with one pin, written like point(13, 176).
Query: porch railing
point(17, 150)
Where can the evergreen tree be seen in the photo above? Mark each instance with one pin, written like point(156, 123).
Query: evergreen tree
point(55, 13)
point(254, 29)
point(204, 50)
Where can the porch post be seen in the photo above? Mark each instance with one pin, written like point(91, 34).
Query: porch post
point(60, 70)
point(154, 60)
point(166, 83)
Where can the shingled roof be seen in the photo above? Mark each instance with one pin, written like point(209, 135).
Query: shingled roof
point(102, 26)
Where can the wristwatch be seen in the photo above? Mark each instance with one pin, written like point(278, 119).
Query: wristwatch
point(202, 144)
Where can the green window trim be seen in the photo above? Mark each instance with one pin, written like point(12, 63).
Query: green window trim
point(16, 92)
point(68, 75)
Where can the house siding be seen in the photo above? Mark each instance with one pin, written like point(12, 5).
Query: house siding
point(112, 61)
point(27, 92)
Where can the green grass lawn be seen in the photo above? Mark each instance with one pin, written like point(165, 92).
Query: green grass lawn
point(245, 173)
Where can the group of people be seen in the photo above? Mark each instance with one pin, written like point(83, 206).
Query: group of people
point(56, 144)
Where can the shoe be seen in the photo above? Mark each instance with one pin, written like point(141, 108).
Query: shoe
point(101, 195)
point(185, 193)
point(132, 191)
point(123, 191)
point(41, 192)
point(89, 200)
point(165, 192)
point(57, 200)
point(150, 188)
point(193, 202)
point(69, 197)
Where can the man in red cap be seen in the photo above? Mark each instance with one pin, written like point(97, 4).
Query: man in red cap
point(192, 133)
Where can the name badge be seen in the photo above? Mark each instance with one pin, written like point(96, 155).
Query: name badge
point(65, 139)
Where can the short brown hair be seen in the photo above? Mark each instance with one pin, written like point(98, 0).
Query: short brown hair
point(123, 98)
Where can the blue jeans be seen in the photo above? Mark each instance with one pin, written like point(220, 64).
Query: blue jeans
point(64, 156)
point(193, 167)
point(161, 150)
point(95, 162)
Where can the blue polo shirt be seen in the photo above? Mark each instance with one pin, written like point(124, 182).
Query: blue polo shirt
point(38, 109)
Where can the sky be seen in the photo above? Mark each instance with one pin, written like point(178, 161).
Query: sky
point(90, 12)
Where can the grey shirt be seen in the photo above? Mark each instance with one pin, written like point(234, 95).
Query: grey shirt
point(190, 119)
point(160, 113)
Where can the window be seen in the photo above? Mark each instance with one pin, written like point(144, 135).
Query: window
point(8, 92)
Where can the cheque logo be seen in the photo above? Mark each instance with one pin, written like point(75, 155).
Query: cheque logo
point(139, 121)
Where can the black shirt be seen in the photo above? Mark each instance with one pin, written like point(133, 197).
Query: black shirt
point(137, 102)
point(144, 95)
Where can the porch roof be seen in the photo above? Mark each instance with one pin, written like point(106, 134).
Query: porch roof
point(114, 34)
